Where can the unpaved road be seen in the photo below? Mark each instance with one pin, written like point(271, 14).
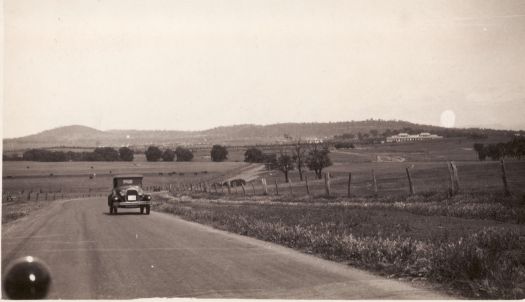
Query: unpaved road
point(93, 255)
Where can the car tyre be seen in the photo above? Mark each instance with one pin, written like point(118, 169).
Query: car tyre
point(147, 210)
point(115, 211)
point(110, 210)
point(141, 210)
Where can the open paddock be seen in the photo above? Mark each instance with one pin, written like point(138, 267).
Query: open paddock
point(391, 179)
point(75, 176)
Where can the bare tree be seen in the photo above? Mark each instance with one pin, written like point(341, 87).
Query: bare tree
point(299, 157)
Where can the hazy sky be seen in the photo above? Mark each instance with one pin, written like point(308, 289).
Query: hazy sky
point(191, 65)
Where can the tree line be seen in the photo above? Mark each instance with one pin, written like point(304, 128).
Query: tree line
point(218, 153)
point(180, 154)
point(99, 154)
point(153, 153)
point(512, 149)
point(312, 156)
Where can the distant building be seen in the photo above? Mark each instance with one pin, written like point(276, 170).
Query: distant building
point(405, 137)
point(313, 140)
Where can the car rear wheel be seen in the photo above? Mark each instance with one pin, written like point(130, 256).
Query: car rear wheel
point(110, 210)
point(115, 211)
point(147, 210)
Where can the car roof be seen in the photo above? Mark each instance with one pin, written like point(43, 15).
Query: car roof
point(128, 176)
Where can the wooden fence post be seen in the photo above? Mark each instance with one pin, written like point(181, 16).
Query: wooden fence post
point(504, 178)
point(265, 186)
point(291, 186)
point(276, 188)
point(327, 183)
point(29, 196)
point(215, 187)
point(451, 180)
point(411, 187)
point(307, 186)
point(253, 188)
point(228, 186)
point(37, 193)
point(374, 181)
point(456, 179)
point(243, 190)
point(349, 183)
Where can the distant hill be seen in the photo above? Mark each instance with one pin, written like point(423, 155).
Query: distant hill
point(82, 136)
point(67, 134)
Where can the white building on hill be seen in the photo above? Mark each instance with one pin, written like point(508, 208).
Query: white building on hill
point(405, 137)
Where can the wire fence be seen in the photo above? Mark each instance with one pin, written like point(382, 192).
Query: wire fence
point(449, 177)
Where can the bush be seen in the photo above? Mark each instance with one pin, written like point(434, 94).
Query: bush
point(344, 145)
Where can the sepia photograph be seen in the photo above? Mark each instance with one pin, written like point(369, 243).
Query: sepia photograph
point(263, 149)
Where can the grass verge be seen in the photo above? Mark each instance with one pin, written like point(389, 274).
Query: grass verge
point(478, 258)
point(16, 210)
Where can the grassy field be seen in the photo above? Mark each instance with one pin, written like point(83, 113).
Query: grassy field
point(391, 178)
point(29, 186)
point(477, 254)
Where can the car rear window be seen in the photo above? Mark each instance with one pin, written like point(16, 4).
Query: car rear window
point(128, 181)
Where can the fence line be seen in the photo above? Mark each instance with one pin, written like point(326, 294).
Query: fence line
point(330, 186)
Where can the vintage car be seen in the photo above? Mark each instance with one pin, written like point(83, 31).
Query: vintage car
point(127, 193)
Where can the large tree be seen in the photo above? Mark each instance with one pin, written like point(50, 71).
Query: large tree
point(168, 155)
point(219, 153)
point(253, 155)
point(183, 154)
point(318, 159)
point(285, 163)
point(125, 154)
point(153, 153)
point(106, 154)
point(480, 149)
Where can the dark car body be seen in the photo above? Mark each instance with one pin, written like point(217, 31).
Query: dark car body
point(128, 193)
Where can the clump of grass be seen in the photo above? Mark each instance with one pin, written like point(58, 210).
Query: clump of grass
point(486, 264)
point(17, 210)
point(480, 261)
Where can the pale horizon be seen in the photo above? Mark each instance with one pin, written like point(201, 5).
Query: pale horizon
point(174, 65)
